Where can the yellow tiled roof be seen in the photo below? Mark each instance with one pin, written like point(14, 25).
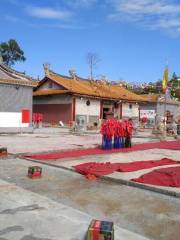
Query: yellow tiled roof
point(151, 97)
point(49, 92)
point(11, 76)
point(94, 88)
point(19, 82)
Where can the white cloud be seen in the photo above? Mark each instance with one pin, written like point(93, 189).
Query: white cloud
point(162, 14)
point(61, 26)
point(49, 13)
point(146, 7)
point(169, 23)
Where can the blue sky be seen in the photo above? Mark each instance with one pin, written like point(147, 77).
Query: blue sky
point(133, 38)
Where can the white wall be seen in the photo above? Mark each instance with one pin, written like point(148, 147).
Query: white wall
point(92, 110)
point(12, 119)
point(127, 112)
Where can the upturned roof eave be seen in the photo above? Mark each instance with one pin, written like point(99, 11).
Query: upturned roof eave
point(76, 93)
point(17, 82)
point(47, 92)
point(14, 73)
point(106, 98)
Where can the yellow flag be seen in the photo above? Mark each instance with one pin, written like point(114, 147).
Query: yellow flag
point(165, 79)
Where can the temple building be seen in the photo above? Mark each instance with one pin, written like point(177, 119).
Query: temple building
point(86, 102)
point(15, 100)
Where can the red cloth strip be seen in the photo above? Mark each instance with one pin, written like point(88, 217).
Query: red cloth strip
point(135, 166)
point(101, 169)
point(174, 145)
point(167, 177)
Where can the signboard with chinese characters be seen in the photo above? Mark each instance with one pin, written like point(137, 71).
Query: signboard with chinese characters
point(149, 114)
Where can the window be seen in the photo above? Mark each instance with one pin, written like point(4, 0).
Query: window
point(88, 103)
point(130, 106)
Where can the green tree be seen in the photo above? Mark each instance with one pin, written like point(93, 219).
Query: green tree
point(11, 52)
point(174, 76)
point(174, 84)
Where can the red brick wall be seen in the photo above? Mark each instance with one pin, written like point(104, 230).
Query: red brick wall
point(53, 113)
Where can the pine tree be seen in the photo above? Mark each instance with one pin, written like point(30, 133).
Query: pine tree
point(11, 52)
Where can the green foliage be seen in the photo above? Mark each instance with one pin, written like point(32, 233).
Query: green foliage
point(149, 88)
point(174, 76)
point(173, 84)
point(11, 52)
point(175, 87)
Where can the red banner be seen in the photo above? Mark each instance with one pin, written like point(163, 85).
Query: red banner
point(25, 116)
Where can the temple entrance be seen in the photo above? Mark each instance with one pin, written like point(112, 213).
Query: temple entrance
point(106, 110)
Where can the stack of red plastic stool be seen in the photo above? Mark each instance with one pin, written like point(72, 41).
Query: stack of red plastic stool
point(34, 172)
point(100, 230)
point(3, 152)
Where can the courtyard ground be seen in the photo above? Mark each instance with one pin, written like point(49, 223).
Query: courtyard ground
point(61, 204)
point(49, 139)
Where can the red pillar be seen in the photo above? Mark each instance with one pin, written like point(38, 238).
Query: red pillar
point(120, 106)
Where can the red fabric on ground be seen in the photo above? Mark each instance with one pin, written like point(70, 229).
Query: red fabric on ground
point(167, 177)
point(174, 145)
point(135, 166)
point(97, 169)
point(101, 169)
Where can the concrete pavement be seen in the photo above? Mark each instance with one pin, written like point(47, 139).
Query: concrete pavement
point(154, 216)
point(25, 215)
point(53, 140)
point(36, 209)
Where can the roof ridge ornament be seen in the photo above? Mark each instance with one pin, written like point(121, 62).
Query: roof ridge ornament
point(1, 59)
point(72, 73)
point(46, 67)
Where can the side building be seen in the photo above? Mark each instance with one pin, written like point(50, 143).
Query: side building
point(15, 100)
point(156, 107)
point(82, 101)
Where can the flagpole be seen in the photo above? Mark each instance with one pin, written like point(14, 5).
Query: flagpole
point(165, 99)
point(165, 107)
